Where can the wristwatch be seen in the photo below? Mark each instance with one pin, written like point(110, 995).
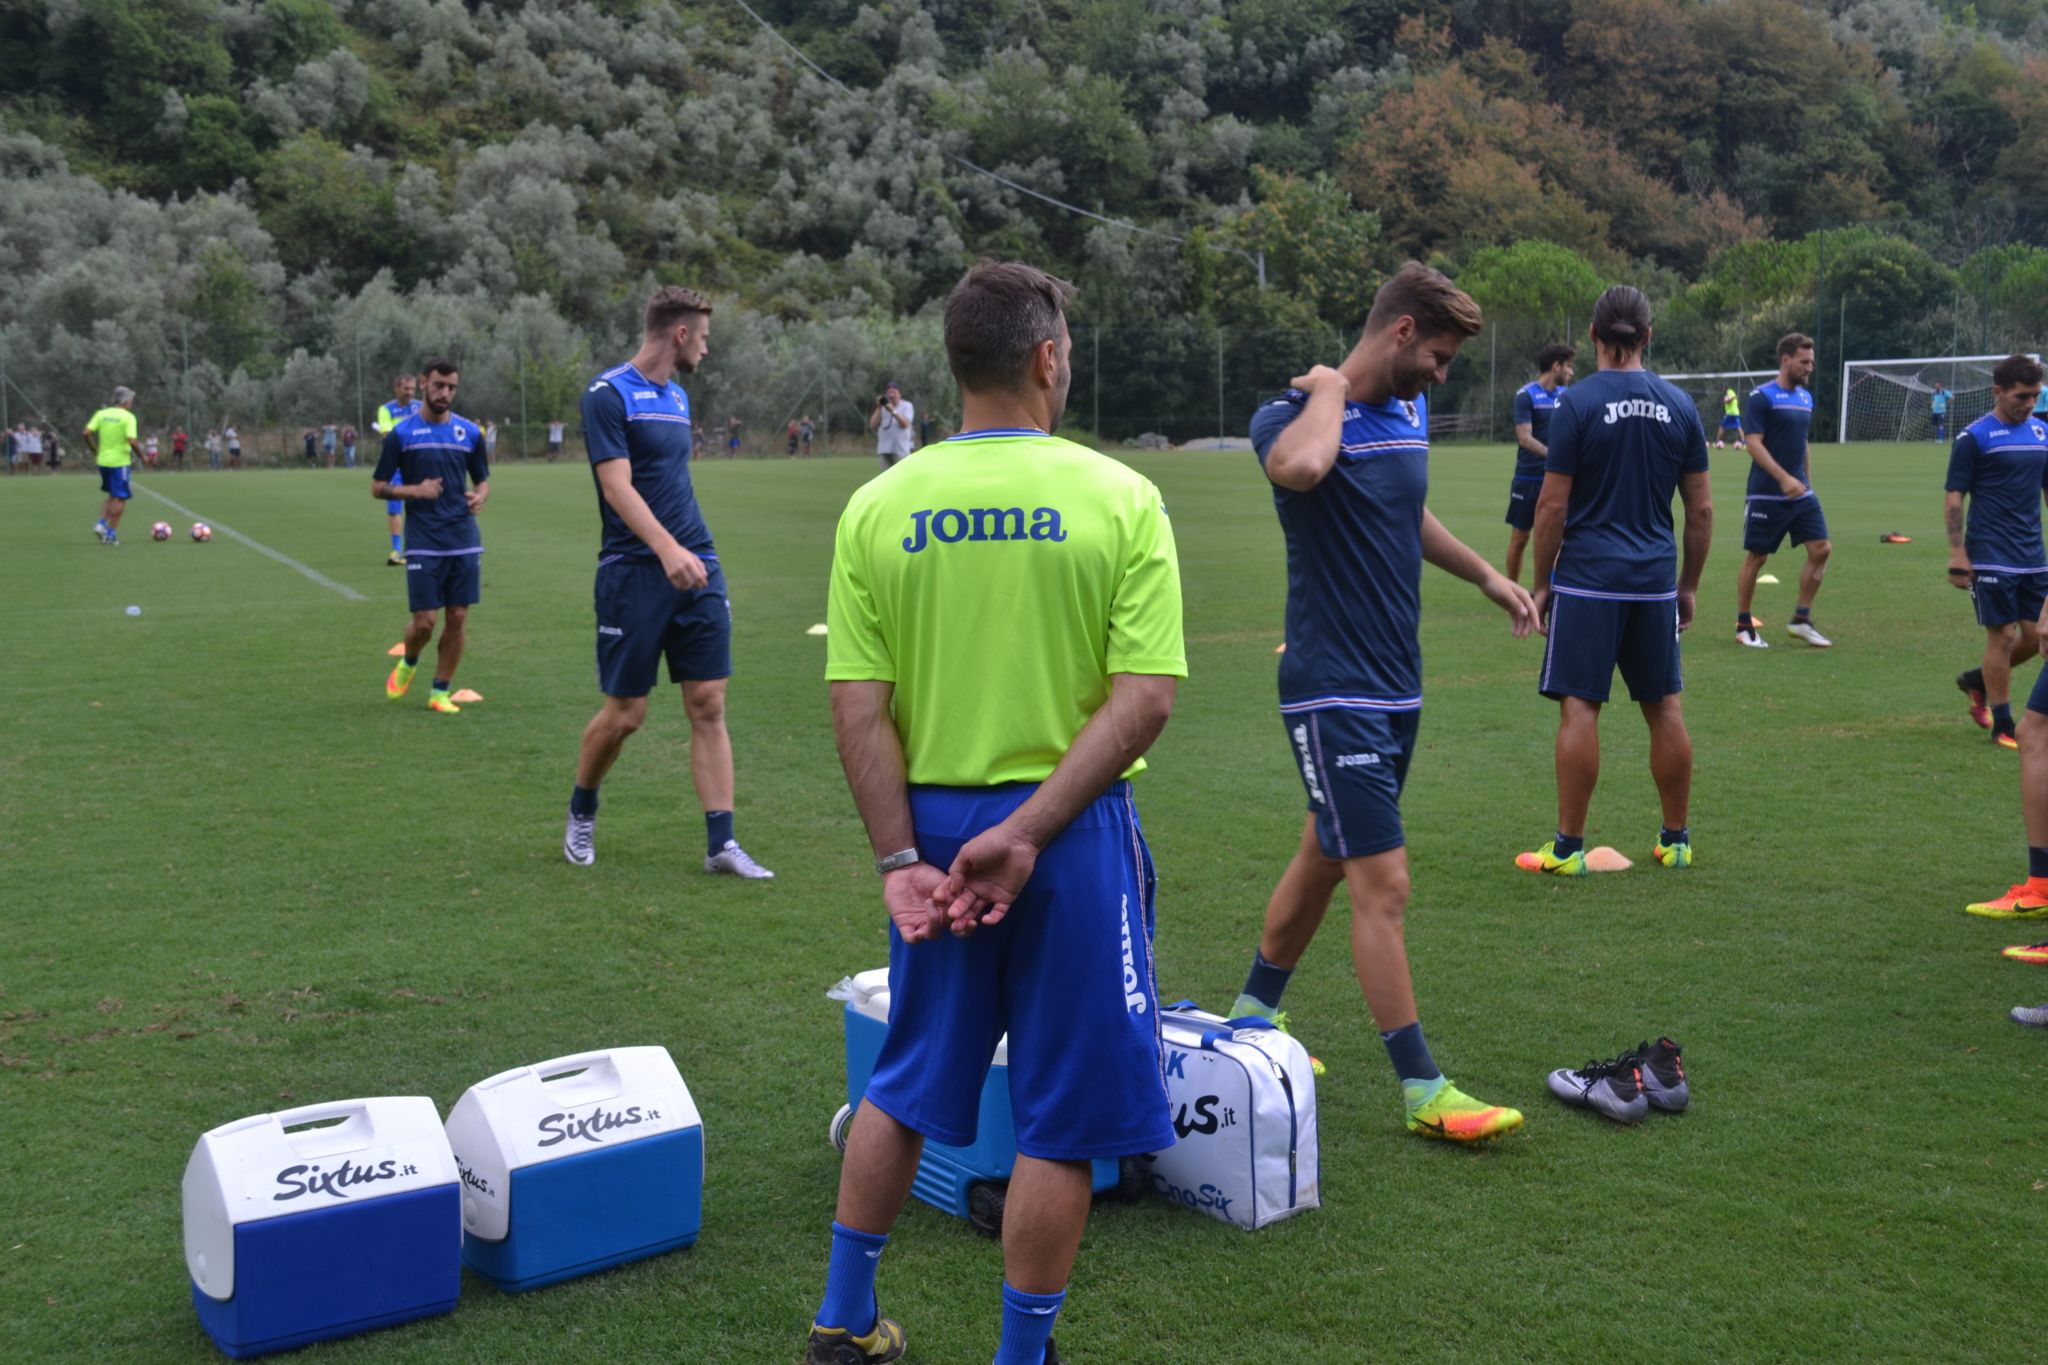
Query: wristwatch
point(902, 858)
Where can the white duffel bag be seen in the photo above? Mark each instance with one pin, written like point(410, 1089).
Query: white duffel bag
point(1244, 1109)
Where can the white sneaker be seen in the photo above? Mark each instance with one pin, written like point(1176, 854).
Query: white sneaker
point(1803, 630)
point(1751, 636)
point(579, 840)
point(733, 861)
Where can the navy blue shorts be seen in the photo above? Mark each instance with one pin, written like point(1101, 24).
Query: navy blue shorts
point(1591, 636)
point(2037, 700)
point(1522, 494)
point(642, 618)
point(1353, 765)
point(114, 481)
point(1767, 521)
point(436, 581)
point(2003, 597)
point(1067, 974)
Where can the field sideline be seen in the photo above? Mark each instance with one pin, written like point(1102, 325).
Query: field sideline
point(236, 878)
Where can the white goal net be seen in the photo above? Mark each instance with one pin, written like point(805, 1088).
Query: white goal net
point(1894, 400)
point(1709, 389)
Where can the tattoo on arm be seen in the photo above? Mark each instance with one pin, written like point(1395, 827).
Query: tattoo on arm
point(1953, 515)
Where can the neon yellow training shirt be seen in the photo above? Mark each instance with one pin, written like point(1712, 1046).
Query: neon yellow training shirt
point(1730, 404)
point(113, 428)
point(998, 580)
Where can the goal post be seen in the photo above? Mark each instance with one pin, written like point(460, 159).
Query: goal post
point(1706, 388)
point(1893, 400)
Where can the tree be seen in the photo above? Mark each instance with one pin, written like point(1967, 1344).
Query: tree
point(1532, 280)
point(1318, 245)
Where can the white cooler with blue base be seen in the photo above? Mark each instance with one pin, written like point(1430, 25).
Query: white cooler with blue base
point(321, 1222)
point(577, 1164)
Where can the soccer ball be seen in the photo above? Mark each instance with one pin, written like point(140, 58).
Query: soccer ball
point(160, 531)
point(201, 531)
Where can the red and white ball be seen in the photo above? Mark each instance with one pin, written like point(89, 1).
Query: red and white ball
point(201, 531)
point(160, 531)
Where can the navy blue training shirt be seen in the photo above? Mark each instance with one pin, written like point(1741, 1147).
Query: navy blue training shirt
point(1625, 437)
point(1534, 405)
point(1354, 560)
point(418, 450)
point(1781, 416)
point(627, 416)
point(2003, 470)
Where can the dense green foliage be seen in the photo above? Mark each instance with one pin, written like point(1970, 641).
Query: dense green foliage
point(355, 159)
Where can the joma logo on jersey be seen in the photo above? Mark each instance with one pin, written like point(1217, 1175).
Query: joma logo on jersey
point(948, 525)
point(1636, 407)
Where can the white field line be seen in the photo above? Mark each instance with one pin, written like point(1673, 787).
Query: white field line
point(258, 546)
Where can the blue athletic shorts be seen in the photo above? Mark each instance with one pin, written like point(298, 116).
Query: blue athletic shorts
point(1522, 494)
point(114, 481)
point(1767, 521)
point(2003, 598)
point(1067, 974)
point(1730, 423)
point(1591, 636)
point(2037, 700)
point(642, 618)
point(1353, 765)
point(436, 581)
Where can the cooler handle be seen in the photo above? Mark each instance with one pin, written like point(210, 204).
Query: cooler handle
point(599, 1061)
point(349, 1111)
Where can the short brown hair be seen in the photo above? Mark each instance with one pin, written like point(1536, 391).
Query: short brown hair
point(1792, 343)
point(1553, 355)
point(441, 364)
point(2016, 372)
point(1439, 307)
point(999, 313)
point(670, 304)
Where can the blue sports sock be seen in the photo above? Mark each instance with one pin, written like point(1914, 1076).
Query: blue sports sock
point(1802, 613)
point(440, 684)
point(1743, 620)
point(1027, 1326)
point(2001, 716)
point(396, 543)
point(2037, 862)
point(717, 830)
point(583, 802)
point(1409, 1054)
point(412, 661)
point(1265, 982)
point(1567, 844)
point(850, 1280)
point(1668, 836)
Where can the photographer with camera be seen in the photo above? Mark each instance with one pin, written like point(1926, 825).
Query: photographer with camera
point(892, 421)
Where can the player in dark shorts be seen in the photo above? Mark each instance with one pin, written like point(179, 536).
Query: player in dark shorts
point(1621, 443)
point(1534, 403)
point(1780, 502)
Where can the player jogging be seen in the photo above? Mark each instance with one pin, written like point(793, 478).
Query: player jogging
point(432, 450)
point(1779, 502)
point(389, 415)
point(1731, 420)
point(1534, 402)
point(2000, 464)
point(112, 432)
point(1005, 640)
point(1620, 444)
point(660, 591)
point(1347, 453)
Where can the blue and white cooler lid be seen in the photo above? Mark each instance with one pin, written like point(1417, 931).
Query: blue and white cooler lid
point(318, 1156)
point(587, 1102)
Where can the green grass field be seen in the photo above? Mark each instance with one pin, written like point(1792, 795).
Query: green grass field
point(236, 878)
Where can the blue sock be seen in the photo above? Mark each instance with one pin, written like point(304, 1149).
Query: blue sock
point(1668, 836)
point(1027, 1326)
point(440, 684)
point(1409, 1054)
point(412, 661)
point(1266, 983)
point(850, 1280)
point(396, 544)
point(2037, 862)
point(1567, 845)
point(1743, 621)
point(583, 802)
point(717, 830)
point(1802, 613)
point(2001, 716)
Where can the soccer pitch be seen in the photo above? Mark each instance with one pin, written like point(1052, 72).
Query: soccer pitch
point(237, 879)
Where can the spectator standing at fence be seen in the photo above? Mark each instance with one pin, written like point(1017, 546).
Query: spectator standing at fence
point(178, 444)
point(12, 441)
point(555, 430)
point(793, 433)
point(349, 436)
point(212, 449)
point(806, 429)
point(893, 422)
point(312, 458)
point(491, 440)
point(234, 440)
point(732, 437)
point(149, 451)
point(328, 435)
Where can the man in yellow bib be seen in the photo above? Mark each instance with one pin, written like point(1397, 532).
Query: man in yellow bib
point(112, 432)
point(1005, 640)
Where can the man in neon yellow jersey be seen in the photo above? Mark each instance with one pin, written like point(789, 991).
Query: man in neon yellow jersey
point(1004, 645)
point(112, 432)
